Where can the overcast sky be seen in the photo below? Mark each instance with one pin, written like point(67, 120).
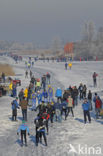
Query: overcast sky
point(41, 20)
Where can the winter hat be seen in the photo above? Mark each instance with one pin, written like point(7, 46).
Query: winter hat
point(38, 80)
point(95, 94)
point(16, 98)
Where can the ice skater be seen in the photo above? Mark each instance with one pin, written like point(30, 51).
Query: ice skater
point(86, 107)
point(23, 129)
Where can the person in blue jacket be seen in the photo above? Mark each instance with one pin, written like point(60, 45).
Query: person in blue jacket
point(86, 108)
point(45, 96)
point(39, 97)
point(50, 93)
point(66, 65)
point(23, 129)
point(15, 105)
point(58, 94)
point(14, 91)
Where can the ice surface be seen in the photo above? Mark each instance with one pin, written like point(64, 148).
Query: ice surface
point(61, 135)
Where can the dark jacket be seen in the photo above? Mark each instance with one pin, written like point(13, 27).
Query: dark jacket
point(57, 106)
point(64, 105)
point(75, 92)
point(21, 95)
point(65, 96)
point(89, 96)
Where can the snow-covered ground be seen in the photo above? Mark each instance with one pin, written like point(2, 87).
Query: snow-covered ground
point(62, 136)
point(81, 72)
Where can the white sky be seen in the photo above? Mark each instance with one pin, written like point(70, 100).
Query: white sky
point(41, 20)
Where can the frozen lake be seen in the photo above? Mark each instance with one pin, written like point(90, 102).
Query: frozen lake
point(62, 135)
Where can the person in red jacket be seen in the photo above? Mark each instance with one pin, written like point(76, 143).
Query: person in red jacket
point(98, 105)
point(95, 79)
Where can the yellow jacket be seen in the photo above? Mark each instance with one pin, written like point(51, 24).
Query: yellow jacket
point(26, 93)
point(10, 86)
point(70, 64)
point(38, 84)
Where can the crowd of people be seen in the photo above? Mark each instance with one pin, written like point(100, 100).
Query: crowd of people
point(51, 105)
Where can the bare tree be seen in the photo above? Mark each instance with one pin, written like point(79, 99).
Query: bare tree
point(100, 35)
point(56, 45)
point(84, 32)
point(88, 31)
point(91, 31)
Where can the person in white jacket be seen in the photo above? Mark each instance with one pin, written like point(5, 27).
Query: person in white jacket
point(70, 105)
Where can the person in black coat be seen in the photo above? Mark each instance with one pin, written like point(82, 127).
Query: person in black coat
point(21, 95)
point(51, 111)
point(41, 108)
point(64, 109)
point(48, 78)
point(80, 89)
point(95, 79)
point(40, 130)
point(84, 91)
point(90, 99)
point(65, 95)
point(75, 95)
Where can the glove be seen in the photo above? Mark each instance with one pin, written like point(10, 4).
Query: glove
point(28, 133)
point(17, 133)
